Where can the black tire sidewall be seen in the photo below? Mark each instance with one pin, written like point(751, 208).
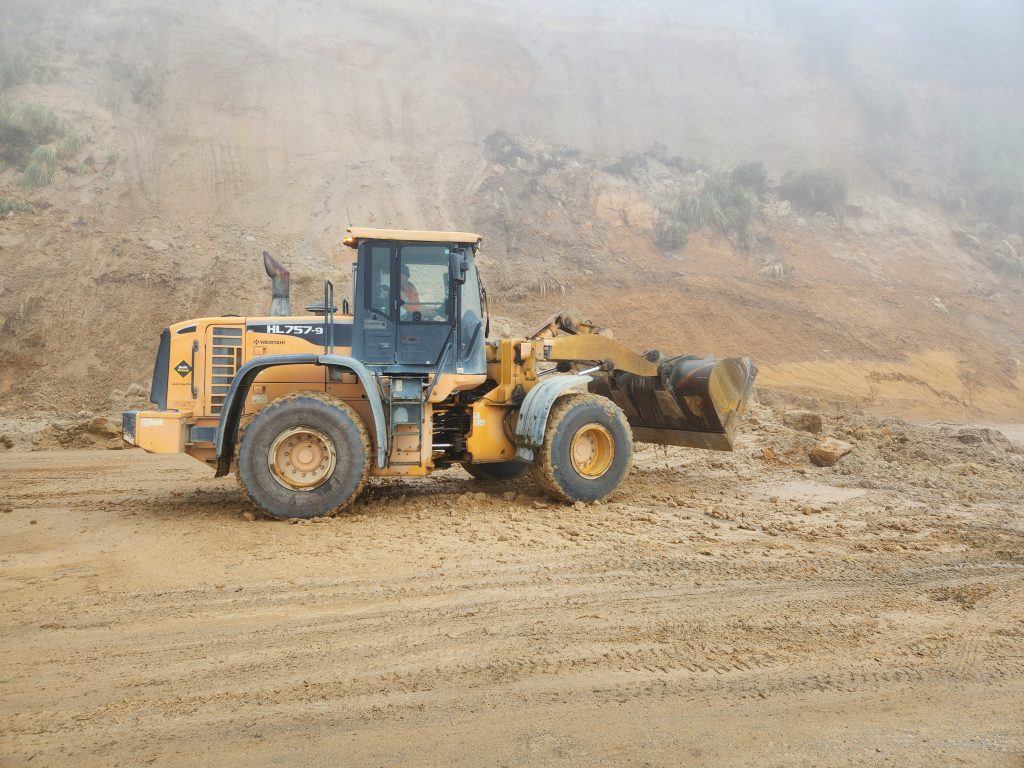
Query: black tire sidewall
point(345, 481)
point(564, 474)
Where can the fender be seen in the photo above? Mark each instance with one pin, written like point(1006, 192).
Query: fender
point(533, 413)
point(344, 362)
point(234, 400)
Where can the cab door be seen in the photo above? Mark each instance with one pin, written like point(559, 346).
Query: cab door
point(375, 322)
point(425, 303)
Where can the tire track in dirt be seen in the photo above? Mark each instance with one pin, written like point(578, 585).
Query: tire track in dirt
point(146, 618)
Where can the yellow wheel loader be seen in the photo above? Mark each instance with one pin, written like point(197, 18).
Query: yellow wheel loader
point(404, 381)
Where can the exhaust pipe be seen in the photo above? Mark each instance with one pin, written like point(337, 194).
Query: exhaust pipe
point(280, 304)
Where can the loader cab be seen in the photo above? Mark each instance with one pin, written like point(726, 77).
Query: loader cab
point(417, 302)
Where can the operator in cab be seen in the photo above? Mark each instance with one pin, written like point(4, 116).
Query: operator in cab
point(410, 296)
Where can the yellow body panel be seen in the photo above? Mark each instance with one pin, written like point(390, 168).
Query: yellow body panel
point(160, 431)
point(277, 382)
point(510, 375)
point(490, 437)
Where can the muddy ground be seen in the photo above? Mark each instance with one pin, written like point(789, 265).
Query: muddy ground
point(722, 609)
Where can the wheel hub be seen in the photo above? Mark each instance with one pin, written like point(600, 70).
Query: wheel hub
point(302, 458)
point(592, 450)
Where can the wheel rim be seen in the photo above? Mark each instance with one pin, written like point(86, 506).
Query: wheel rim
point(302, 458)
point(592, 451)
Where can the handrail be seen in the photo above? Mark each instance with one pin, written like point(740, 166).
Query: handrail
point(329, 315)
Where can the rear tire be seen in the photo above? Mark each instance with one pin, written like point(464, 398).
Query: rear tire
point(305, 455)
point(497, 471)
point(587, 450)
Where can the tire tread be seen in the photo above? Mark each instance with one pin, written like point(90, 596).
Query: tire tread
point(364, 438)
point(543, 469)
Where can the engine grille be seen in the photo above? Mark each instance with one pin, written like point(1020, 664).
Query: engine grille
point(225, 360)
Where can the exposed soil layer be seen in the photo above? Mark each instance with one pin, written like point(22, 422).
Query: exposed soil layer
point(212, 132)
point(728, 609)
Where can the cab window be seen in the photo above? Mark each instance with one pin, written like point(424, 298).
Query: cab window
point(379, 299)
point(424, 291)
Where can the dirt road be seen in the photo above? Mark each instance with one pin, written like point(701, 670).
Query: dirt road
point(741, 609)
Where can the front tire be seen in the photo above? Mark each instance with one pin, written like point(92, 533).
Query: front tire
point(305, 455)
point(497, 471)
point(587, 450)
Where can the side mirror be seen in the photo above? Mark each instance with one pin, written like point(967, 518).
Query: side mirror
point(457, 268)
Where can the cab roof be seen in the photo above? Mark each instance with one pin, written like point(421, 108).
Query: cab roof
point(355, 234)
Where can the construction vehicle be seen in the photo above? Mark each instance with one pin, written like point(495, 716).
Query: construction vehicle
point(404, 381)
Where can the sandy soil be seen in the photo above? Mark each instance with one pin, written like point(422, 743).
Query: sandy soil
point(740, 609)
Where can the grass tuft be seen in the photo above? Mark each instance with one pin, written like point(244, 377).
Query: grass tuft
point(724, 205)
point(751, 175)
point(9, 205)
point(41, 167)
point(69, 146)
point(816, 190)
point(25, 126)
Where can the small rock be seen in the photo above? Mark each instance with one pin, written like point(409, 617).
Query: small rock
point(828, 452)
point(115, 444)
point(937, 304)
point(784, 208)
point(580, 505)
point(249, 516)
point(7, 441)
point(805, 421)
point(509, 495)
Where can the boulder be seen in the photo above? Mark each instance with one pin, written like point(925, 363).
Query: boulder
point(102, 427)
point(805, 421)
point(828, 452)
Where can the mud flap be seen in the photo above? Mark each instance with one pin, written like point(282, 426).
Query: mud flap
point(692, 402)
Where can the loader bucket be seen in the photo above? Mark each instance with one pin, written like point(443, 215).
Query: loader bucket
point(692, 402)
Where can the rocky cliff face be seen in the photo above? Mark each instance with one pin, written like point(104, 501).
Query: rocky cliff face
point(570, 135)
